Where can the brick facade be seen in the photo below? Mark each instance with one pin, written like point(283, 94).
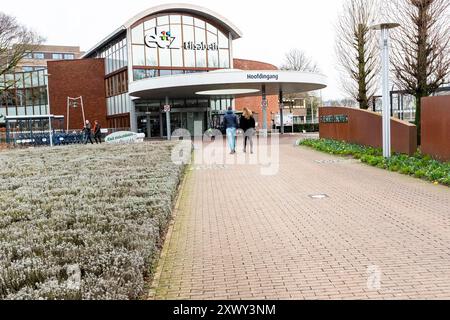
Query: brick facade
point(254, 103)
point(77, 78)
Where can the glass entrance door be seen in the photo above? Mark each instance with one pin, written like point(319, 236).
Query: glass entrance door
point(150, 125)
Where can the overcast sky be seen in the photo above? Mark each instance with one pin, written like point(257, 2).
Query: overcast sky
point(270, 28)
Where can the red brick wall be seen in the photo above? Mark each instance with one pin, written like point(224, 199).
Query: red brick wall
point(436, 127)
point(77, 78)
point(365, 128)
point(254, 102)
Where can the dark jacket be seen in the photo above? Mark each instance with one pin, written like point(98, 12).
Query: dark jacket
point(247, 123)
point(87, 129)
point(230, 121)
point(97, 129)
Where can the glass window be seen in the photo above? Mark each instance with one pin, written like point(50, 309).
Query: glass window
point(20, 111)
point(34, 79)
point(164, 58)
point(188, 20)
point(211, 28)
point(29, 111)
point(27, 77)
point(139, 74)
point(223, 41)
point(12, 111)
point(163, 73)
point(27, 69)
point(199, 23)
point(150, 24)
point(177, 57)
point(137, 34)
point(57, 56)
point(175, 19)
point(28, 55)
point(163, 20)
point(138, 55)
point(189, 55)
point(224, 58)
point(69, 56)
point(39, 55)
point(200, 38)
point(177, 33)
point(213, 59)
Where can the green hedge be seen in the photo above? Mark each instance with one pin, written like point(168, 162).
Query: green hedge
point(419, 165)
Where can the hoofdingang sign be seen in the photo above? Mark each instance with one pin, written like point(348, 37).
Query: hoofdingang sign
point(125, 137)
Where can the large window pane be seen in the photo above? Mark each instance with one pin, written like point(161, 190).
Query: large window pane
point(211, 28)
point(175, 19)
point(138, 55)
point(200, 38)
point(199, 23)
point(224, 58)
point(150, 24)
point(137, 34)
point(213, 59)
point(177, 57)
point(223, 41)
point(151, 57)
point(163, 20)
point(189, 55)
point(188, 20)
point(139, 74)
point(177, 33)
point(164, 58)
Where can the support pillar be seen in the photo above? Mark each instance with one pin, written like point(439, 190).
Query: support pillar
point(264, 106)
point(281, 112)
point(169, 129)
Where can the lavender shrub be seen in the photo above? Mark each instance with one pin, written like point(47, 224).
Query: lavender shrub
point(83, 222)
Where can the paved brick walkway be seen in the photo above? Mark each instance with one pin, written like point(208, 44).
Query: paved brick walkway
point(241, 235)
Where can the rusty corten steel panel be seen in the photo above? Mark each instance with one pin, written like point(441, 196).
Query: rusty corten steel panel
point(436, 127)
point(365, 128)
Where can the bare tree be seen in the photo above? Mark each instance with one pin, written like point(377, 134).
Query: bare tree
point(297, 60)
point(357, 50)
point(421, 47)
point(16, 41)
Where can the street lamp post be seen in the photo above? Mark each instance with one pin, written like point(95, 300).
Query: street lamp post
point(49, 113)
point(384, 43)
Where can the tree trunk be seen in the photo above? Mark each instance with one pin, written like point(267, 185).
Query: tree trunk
point(362, 83)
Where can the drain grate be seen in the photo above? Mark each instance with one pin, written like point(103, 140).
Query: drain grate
point(318, 196)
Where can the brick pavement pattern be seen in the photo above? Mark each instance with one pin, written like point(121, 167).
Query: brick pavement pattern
point(240, 235)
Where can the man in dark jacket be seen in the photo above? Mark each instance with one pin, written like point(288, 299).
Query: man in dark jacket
point(230, 122)
point(87, 130)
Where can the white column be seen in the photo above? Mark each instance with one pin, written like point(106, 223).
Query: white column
point(169, 129)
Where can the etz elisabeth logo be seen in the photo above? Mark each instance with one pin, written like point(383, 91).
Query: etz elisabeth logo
point(163, 41)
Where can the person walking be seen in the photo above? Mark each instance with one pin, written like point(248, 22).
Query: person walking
point(97, 132)
point(230, 122)
point(87, 130)
point(248, 125)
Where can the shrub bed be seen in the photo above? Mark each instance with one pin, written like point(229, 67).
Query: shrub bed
point(101, 210)
point(419, 166)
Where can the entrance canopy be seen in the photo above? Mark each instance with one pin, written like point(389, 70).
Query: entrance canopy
point(227, 83)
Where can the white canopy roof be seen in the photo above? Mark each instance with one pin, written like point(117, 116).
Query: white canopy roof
point(189, 85)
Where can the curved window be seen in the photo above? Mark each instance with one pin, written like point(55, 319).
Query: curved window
point(178, 41)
